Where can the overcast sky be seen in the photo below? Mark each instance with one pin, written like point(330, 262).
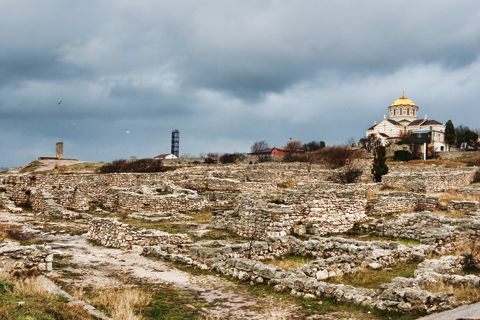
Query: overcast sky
point(225, 73)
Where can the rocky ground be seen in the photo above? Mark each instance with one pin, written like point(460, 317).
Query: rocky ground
point(91, 266)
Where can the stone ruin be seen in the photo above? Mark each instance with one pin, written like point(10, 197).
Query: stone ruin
point(269, 204)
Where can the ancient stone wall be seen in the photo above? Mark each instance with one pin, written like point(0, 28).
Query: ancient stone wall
point(430, 228)
point(474, 191)
point(463, 206)
point(328, 185)
point(435, 179)
point(449, 155)
point(395, 202)
point(275, 215)
point(242, 262)
point(24, 259)
point(111, 233)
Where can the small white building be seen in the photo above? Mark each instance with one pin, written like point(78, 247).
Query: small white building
point(166, 156)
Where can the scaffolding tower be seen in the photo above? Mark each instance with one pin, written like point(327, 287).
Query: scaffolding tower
point(176, 142)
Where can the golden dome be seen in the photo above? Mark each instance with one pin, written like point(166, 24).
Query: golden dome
point(403, 101)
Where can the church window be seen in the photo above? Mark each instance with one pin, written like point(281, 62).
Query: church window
point(394, 112)
point(408, 112)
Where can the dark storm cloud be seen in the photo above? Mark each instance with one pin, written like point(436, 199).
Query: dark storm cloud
point(226, 73)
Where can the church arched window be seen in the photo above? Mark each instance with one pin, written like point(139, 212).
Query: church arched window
point(408, 112)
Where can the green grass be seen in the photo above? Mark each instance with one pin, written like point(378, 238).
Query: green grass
point(160, 192)
point(372, 279)
point(30, 242)
point(32, 166)
point(188, 227)
point(171, 303)
point(86, 165)
point(363, 235)
point(300, 237)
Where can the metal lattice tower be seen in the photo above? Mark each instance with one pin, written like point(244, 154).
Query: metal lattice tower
point(176, 142)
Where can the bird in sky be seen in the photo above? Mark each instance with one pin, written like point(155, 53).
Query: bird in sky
point(127, 131)
point(60, 102)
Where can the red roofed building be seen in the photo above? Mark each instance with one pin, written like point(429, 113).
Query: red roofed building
point(274, 152)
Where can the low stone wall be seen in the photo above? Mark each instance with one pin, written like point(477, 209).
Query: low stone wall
point(15, 258)
point(327, 185)
point(475, 191)
point(429, 180)
point(111, 233)
point(449, 155)
point(400, 295)
point(430, 228)
point(463, 206)
point(395, 202)
point(276, 215)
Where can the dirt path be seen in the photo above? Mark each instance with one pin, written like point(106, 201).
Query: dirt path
point(50, 164)
point(93, 266)
point(97, 263)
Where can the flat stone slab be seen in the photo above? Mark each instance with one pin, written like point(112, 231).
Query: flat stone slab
point(468, 312)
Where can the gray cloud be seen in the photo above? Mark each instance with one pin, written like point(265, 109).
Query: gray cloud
point(225, 73)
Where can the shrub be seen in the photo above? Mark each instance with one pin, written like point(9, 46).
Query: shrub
point(210, 160)
point(403, 155)
point(472, 253)
point(142, 166)
point(349, 174)
point(231, 157)
point(476, 177)
point(339, 156)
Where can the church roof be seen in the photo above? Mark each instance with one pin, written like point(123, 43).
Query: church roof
point(416, 122)
point(389, 120)
point(394, 122)
point(403, 101)
point(431, 123)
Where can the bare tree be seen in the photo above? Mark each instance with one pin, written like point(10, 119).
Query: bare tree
point(369, 143)
point(350, 142)
point(186, 156)
point(293, 146)
point(259, 146)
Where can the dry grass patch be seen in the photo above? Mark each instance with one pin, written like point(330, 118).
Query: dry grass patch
point(286, 184)
point(460, 292)
point(38, 303)
point(122, 304)
point(290, 261)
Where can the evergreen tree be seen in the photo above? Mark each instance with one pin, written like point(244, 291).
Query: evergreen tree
point(379, 167)
point(471, 138)
point(450, 136)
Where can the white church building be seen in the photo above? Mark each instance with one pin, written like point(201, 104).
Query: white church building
point(402, 119)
